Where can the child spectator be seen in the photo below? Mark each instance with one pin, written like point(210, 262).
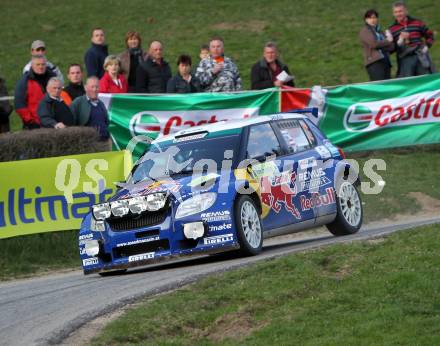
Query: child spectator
point(204, 51)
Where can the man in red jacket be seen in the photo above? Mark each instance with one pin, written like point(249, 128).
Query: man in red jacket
point(412, 40)
point(30, 91)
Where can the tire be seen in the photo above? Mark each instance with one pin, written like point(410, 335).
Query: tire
point(349, 211)
point(113, 272)
point(248, 225)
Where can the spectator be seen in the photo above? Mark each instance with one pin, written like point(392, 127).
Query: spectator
point(30, 91)
point(204, 51)
point(113, 80)
point(131, 58)
point(376, 46)
point(96, 54)
point(265, 71)
point(184, 81)
point(52, 110)
point(38, 47)
point(5, 107)
point(217, 72)
point(412, 40)
point(76, 87)
point(153, 74)
point(88, 110)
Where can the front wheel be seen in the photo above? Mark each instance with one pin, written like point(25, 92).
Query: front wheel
point(249, 229)
point(349, 211)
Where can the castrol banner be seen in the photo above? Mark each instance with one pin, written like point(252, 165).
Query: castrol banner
point(138, 116)
point(386, 114)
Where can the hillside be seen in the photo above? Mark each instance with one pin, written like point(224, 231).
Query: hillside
point(317, 40)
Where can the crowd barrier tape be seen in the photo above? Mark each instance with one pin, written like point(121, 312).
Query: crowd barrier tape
point(54, 194)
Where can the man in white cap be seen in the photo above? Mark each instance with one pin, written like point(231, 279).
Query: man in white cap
point(38, 47)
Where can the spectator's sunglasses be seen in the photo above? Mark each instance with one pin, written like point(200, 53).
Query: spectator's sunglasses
point(41, 49)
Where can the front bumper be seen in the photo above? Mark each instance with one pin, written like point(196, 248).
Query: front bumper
point(128, 248)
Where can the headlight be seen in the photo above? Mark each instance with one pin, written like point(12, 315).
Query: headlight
point(119, 208)
point(196, 204)
point(97, 226)
point(137, 205)
point(101, 211)
point(156, 201)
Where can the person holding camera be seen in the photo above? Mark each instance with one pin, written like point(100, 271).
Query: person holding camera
point(412, 40)
point(376, 46)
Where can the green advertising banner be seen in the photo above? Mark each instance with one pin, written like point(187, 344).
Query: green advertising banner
point(54, 194)
point(158, 115)
point(387, 114)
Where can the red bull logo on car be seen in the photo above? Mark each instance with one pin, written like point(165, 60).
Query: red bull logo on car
point(162, 123)
point(280, 189)
point(409, 110)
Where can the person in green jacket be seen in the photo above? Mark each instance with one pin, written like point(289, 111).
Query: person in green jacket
point(91, 111)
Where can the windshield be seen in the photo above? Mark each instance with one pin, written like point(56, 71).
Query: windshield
point(169, 159)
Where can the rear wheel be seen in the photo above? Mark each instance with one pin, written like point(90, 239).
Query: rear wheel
point(249, 228)
point(349, 211)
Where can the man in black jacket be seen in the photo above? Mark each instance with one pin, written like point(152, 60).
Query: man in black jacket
point(153, 74)
point(265, 71)
point(52, 110)
point(96, 54)
point(75, 88)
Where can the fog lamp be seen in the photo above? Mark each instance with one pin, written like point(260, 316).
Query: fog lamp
point(91, 247)
point(137, 205)
point(156, 201)
point(193, 230)
point(119, 208)
point(101, 211)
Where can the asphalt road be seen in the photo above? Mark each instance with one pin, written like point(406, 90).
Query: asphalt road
point(46, 310)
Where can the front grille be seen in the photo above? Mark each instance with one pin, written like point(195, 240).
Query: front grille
point(137, 249)
point(130, 222)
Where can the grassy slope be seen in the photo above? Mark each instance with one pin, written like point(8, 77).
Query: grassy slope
point(411, 171)
point(27, 255)
point(318, 40)
point(369, 293)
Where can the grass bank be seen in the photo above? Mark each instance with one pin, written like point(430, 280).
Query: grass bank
point(411, 187)
point(318, 40)
point(38, 253)
point(377, 292)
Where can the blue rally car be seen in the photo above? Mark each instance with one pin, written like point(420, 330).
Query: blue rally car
point(221, 187)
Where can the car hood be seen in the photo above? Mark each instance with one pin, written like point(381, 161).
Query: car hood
point(179, 186)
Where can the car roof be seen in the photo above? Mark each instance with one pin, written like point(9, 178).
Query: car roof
point(226, 125)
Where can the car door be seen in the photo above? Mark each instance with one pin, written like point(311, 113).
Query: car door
point(322, 176)
point(277, 190)
point(301, 160)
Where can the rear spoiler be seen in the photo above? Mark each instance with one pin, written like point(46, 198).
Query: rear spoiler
point(305, 111)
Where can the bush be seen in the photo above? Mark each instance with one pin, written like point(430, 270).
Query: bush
point(41, 143)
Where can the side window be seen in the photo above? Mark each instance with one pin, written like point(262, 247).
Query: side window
point(308, 132)
point(297, 135)
point(262, 142)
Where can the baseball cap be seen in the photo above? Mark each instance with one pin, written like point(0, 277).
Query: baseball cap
point(38, 44)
